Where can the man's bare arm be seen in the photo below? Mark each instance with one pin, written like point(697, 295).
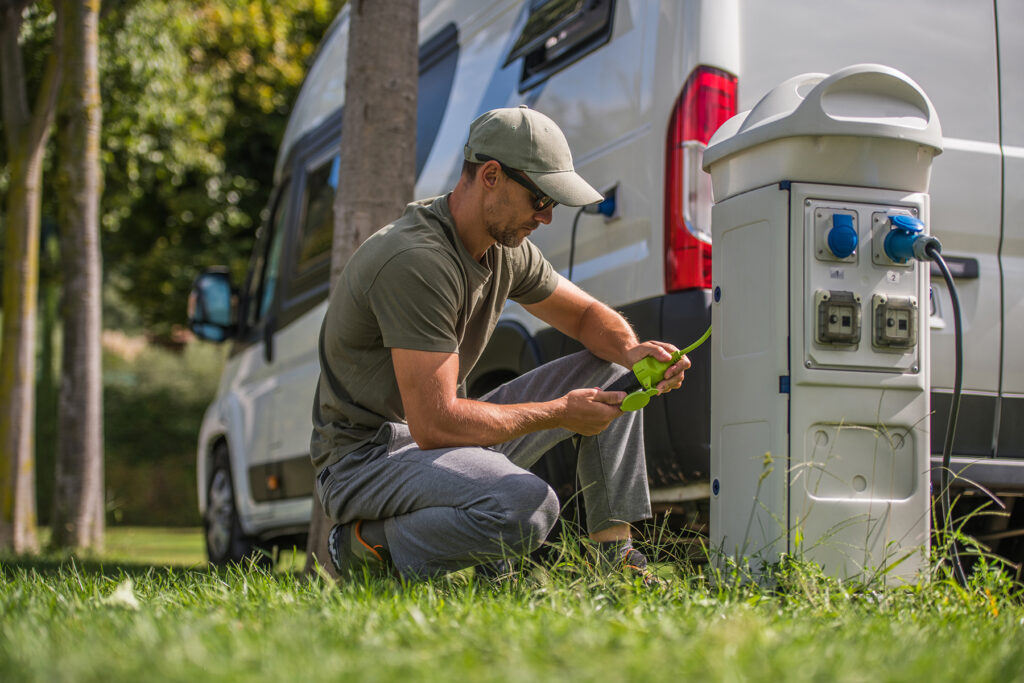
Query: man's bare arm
point(597, 326)
point(438, 418)
point(603, 331)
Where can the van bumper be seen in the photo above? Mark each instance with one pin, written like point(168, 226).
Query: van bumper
point(998, 475)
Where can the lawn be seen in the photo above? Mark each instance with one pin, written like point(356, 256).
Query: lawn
point(173, 546)
point(130, 616)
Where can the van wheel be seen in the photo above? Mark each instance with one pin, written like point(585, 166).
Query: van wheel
point(225, 541)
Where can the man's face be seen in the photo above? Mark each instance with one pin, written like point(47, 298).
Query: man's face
point(512, 218)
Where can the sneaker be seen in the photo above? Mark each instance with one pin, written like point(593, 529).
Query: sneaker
point(624, 558)
point(350, 554)
point(635, 562)
point(495, 570)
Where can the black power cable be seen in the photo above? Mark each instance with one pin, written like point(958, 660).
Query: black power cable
point(568, 275)
point(605, 208)
point(932, 252)
point(572, 240)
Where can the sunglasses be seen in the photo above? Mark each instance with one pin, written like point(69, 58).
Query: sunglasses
point(541, 201)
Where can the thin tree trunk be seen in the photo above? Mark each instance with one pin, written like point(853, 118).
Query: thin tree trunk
point(26, 134)
point(78, 494)
point(378, 151)
point(378, 127)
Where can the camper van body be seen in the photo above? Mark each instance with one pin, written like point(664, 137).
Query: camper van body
point(627, 81)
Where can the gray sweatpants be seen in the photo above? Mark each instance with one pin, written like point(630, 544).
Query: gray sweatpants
point(449, 508)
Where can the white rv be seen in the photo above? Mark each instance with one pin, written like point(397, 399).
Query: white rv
point(638, 86)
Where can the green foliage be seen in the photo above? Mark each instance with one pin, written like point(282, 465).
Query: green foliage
point(153, 406)
point(196, 97)
point(72, 621)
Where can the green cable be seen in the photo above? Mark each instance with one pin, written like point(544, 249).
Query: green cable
point(649, 371)
point(703, 338)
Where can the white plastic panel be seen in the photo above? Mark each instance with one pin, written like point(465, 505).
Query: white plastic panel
point(749, 460)
point(859, 427)
point(864, 275)
point(861, 101)
point(857, 462)
point(756, 524)
point(829, 462)
point(859, 474)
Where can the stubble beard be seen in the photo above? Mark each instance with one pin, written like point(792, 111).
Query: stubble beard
point(505, 234)
point(508, 236)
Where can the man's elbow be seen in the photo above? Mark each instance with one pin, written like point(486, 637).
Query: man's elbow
point(426, 434)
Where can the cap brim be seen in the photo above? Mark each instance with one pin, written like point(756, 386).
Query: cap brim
point(566, 187)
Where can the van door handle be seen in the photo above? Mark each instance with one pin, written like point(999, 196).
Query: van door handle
point(268, 338)
point(959, 267)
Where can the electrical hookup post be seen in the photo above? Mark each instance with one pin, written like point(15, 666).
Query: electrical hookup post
point(820, 356)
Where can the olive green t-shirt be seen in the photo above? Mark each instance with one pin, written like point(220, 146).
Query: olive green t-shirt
point(411, 285)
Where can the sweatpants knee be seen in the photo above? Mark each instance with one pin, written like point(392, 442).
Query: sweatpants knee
point(529, 515)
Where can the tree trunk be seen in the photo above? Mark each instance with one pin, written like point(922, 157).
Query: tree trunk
point(26, 134)
point(378, 150)
point(77, 520)
point(378, 127)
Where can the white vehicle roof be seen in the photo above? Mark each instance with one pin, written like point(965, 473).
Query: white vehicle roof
point(323, 91)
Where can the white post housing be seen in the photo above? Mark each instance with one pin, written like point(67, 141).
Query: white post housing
point(820, 351)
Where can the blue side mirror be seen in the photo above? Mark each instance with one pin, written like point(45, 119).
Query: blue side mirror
point(211, 310)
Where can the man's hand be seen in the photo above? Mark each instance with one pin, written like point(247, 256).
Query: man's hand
point(590, 411)
point(660, 351)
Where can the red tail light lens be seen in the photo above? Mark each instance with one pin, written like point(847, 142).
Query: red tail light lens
point(708, 100)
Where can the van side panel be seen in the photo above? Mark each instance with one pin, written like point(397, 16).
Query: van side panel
point(1011, 67)
point(948, 47)
point(610, 114)
point(485, 35)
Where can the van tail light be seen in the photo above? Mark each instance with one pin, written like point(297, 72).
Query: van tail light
point(708, 100)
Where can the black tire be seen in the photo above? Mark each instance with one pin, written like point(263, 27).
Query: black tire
point(226, 543)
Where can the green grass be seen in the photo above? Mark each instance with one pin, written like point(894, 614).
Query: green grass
point(157, 546)
point(111, 619)
point(179, 547)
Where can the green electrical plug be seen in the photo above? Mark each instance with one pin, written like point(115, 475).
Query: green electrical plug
point(650, 371)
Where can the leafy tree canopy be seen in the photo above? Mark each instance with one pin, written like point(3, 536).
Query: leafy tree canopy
point(196, 96)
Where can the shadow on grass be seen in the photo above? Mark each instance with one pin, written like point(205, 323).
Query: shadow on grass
point(49, 566)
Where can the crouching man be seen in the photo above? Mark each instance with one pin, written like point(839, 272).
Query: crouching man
point(419, 480)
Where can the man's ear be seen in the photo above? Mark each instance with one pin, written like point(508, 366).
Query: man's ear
point(489, 173)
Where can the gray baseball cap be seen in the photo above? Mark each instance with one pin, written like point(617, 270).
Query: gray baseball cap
point(526, 140)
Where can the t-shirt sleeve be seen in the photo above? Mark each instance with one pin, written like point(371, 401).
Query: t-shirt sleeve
point(533, 277)
point(416, 298)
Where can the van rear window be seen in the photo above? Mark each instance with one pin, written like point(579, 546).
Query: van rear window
point(557, 33)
